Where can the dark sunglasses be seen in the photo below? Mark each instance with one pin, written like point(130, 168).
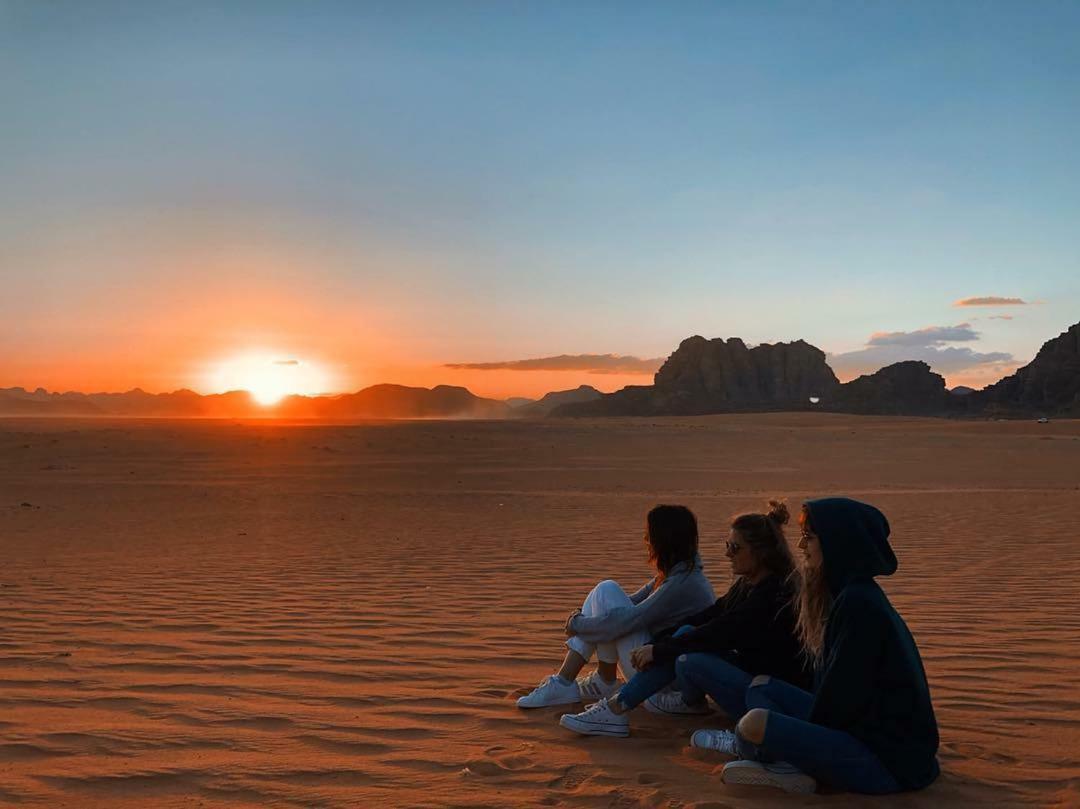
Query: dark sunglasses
point(733, 547)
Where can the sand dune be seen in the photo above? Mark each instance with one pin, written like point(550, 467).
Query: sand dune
point(220, 614)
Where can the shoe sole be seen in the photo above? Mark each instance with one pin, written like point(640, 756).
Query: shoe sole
point(592, 730)
point(796, 784)
point(548, 705)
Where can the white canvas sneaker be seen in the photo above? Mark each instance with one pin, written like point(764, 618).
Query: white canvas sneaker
point(551, 691)
point(671, 702)
point(722, 741)
point(597, 720)
point(594, 687)
point(779, 774)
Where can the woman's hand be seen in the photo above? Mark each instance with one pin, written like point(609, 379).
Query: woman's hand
point(570, 632)
point(642, 657)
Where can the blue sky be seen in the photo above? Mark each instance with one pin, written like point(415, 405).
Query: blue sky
point(419, 184)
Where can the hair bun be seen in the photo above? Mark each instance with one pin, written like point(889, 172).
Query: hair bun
point(778, 512)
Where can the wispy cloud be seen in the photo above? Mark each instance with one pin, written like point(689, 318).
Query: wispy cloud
point(991, 300)
point(1000, 317)
point(589, 363)
point(930, 336)
point(929, 345)
point(286, 362)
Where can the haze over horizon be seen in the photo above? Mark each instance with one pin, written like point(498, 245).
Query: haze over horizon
point(520, 198)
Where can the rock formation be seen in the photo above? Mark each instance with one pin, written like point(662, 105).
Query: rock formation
point(902, 389)
point(1047, 386)
point(722, 376)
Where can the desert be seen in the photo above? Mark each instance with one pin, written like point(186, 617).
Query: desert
point(245, 613)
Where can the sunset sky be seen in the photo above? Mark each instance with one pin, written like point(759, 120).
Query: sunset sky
point(423, 193)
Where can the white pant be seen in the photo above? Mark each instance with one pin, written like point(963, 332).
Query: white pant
point(608, 595)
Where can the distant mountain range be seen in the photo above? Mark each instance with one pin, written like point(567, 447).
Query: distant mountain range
point(700, 377)
point(376, 402)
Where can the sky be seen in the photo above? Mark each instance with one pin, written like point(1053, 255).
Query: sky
point(523, 197)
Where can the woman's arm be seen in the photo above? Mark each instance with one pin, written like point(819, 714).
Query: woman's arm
point(624, 620)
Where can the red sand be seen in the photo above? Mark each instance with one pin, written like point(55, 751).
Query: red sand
point(218, 614)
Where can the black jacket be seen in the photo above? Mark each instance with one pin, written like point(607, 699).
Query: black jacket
point(871, 681)
point(751, 626)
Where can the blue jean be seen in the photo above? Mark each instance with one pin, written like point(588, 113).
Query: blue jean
point(697, 675)
point(831, 756)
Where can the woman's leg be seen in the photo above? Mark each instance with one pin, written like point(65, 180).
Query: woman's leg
point(774, 694)
point(831, 756)
point(561, 688)
point(700, 674)
point(606, 596)
point(644, 684)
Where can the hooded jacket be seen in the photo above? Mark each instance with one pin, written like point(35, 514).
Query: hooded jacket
point(870, 682)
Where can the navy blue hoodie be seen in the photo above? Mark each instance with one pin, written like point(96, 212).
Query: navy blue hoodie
point(871, 681)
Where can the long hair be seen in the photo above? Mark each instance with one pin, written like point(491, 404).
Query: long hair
point(764, 534)
point(812, 602)
point(672, 537)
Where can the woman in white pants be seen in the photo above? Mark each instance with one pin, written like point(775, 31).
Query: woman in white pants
point(612, 623)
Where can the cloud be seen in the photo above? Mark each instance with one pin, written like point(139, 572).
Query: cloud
point(589, 363)
point(1000, 317)
point(930, 336)
point(928, 345)
point(991, 301)
point(286, 362)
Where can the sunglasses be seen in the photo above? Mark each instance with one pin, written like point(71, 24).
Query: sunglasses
point(733, 547)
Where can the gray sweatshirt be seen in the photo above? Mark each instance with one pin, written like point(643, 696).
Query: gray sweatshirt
point(684, 592)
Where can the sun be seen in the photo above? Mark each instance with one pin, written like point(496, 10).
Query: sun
point(269, 376)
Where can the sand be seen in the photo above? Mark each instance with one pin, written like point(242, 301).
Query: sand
point(223, 614)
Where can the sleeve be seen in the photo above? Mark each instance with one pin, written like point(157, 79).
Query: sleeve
point(724, 628)
point(624, 620)
point(644, 592)
point(846, 684)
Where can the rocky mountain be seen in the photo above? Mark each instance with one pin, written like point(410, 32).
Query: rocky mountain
point(1047, 386)
point(544, 406)
point(902, 389)
point(722, 376)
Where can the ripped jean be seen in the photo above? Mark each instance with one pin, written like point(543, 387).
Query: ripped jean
point(831, 756)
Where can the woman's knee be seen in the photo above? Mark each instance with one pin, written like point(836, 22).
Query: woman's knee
point(752, 725)
point(606, 587)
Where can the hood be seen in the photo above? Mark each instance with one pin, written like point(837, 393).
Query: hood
point(854, 540)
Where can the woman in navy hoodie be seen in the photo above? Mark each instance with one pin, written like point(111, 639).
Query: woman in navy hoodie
point(869, 726)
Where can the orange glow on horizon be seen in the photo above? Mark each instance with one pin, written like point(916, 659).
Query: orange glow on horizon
point(268, 376)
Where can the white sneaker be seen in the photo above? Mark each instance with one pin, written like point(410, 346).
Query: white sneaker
point(779, 774)
point(597, 720)
point(722, 741)
point(594, 687)
point(551, 691)
point(671, 702)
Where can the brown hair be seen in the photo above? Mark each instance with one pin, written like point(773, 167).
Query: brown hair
point(764, 534)
point(672, 536)
point(812, 602)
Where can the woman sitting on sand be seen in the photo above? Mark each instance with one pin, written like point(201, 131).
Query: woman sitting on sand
point(750, 630)
point(869, 726)
point(612, 623)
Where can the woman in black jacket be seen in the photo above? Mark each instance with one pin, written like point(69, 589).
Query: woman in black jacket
point(869, 726)
point(748, 631)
